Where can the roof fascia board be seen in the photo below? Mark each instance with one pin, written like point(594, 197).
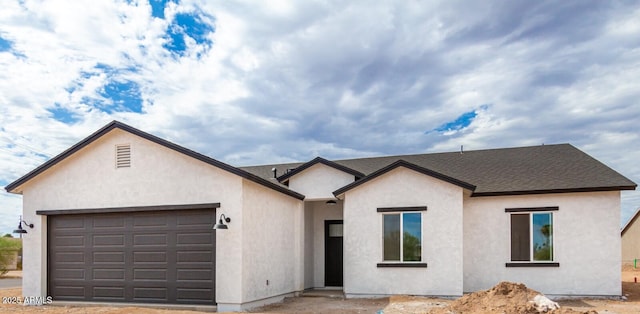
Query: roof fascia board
point(319, 160)
point(408, 165)
point(53, 161)
point(551, 191)
point(116, 124)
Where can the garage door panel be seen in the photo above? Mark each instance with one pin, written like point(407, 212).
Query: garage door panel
point(70, 241)
point(148, 294)
point(190, 275)
point(188, 295)
point(189, 239)
point(108, 240)
point(69, 257)
point(150, 274)
point(68, 223)
point(193, 219)
point(150, 221)
point(108, 257)
point(109, 293)
point(150, 239)
point(110, 222)
point(149, 257)
point(73, 292)
point(108, 274)
point(160, 257)
point(70, 274)
point(194, 256)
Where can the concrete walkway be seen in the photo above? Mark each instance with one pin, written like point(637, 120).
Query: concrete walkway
point(6, 283)
point(12, 279)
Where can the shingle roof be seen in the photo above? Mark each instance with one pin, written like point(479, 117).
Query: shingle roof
point(506, 171)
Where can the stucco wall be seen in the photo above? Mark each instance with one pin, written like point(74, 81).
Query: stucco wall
point(441, 236)
point(319, 181)
point(586, 239)
point(158, 176)
point(272, 248)
point(631, 243)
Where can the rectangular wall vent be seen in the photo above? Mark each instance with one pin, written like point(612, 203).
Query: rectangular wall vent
point(123, 156)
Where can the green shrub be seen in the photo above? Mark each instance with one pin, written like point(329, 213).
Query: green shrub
point(8, 247)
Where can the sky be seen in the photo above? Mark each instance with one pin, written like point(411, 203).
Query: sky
point(257, 82)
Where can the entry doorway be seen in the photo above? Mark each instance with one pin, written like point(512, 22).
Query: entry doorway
point(333, 234)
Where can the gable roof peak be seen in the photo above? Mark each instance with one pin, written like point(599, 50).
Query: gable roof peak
point(630, 222)
point(11, 188)
point(319, 160)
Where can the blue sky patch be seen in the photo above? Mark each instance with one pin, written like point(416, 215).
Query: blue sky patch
point(157, 8)
point(191, 25)
point(64, 115)
point(98, 69)
point(5, 45)
point(463, 121)
point(116, 95)
point(124, 95)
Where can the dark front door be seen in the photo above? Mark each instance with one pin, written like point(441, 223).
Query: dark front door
point(333, 253)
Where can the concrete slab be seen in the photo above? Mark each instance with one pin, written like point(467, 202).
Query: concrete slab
point(10, 283)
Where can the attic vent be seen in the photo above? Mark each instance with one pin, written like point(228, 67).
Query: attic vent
point(123, 156)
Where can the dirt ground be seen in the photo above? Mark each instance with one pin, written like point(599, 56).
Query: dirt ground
point(391, 305)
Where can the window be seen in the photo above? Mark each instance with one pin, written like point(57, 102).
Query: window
point(531, 235)
point(402, 237)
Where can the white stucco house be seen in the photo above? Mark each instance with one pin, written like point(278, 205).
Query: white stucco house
point(125, 216)
point(630, 236)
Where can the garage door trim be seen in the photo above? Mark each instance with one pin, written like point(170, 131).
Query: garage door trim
point(52, 212)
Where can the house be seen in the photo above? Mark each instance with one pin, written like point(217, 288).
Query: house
point(125, 216)
point(631, 241)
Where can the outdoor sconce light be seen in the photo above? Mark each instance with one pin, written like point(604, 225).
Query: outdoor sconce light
point(20, 230)
point(331, 202)
point(220, 224)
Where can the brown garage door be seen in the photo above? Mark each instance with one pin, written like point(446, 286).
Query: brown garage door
point(147, 257)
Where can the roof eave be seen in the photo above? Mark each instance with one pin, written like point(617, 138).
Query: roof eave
point(552, 191)
point(11, 187)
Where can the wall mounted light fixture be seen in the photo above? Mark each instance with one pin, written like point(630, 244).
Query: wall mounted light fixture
point(20, 230)
point(220, 224)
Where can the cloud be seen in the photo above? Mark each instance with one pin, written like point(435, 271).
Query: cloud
point(254, 83)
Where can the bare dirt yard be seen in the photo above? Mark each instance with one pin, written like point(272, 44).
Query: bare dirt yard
point(504, 298)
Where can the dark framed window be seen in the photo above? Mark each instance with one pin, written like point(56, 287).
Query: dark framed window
point(532, 236)
point(402, 237)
